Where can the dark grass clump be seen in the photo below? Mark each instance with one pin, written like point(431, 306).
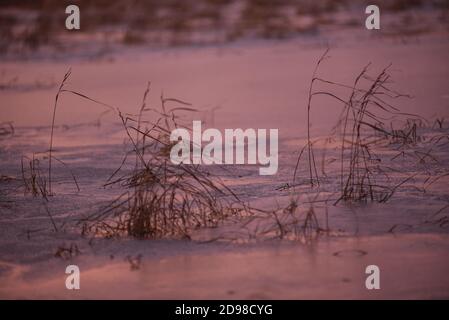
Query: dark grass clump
point(292, 222)
point(162, 199)
point(34, 181)
point(363, 128)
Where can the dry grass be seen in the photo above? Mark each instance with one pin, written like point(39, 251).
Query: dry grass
point(67, 252)
point(292, 223)
point(34, 182)
point(61, 90)
point(164, 200)
point(161, 199)
point(362, 129)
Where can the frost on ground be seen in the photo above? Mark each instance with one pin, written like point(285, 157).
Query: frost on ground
point(246, 85)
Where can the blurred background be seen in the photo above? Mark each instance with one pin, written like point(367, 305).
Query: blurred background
point(243, 63)
point(28, 26)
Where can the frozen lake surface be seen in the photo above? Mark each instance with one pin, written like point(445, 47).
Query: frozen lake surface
point(246, 85)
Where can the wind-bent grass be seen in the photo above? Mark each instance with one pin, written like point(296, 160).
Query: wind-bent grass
point(360, 130)
point(62, 89)
point(166, 200)
point(162, 199)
